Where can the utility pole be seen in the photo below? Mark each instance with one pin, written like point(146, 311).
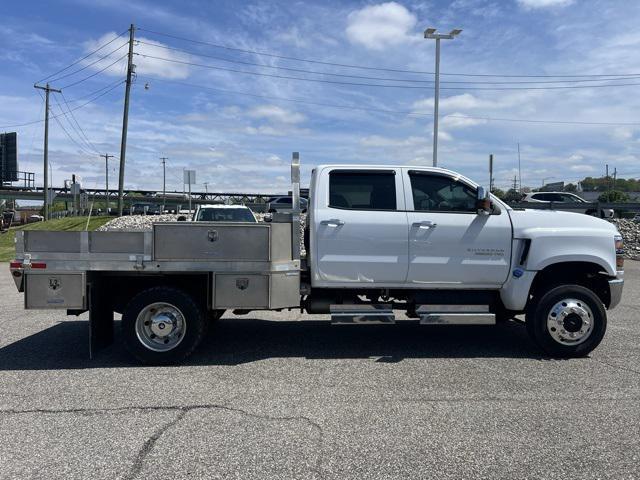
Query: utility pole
point(206, 187)
point(491, 173)
point(519, 170)
point(164, 182)
point(432, 33)
point(608, 184)
point(515, 183)
point(106, 180)
point(125, 121)
point(615, 174)
point(47, 89)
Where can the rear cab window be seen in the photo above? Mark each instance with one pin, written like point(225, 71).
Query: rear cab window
point(363, 189)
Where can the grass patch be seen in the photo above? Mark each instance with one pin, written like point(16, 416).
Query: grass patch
point(70, 224)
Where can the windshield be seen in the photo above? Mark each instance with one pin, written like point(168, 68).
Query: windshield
point(225, 215)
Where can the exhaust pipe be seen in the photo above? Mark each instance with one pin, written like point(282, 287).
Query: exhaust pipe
point(295, 206)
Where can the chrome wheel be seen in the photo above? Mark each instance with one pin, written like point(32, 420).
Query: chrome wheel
point(160, 326)
point(570, 321)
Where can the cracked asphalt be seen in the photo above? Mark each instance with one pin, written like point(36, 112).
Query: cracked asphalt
point(270, 397)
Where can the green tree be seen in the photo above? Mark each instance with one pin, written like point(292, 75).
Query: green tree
point(570, 187)
point(498, 193)
point(512, 196)
point(614, 196)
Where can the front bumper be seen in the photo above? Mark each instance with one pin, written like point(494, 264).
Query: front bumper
point(615, 290)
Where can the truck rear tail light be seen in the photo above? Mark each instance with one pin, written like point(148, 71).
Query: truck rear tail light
point(619, 243)
point(18, 264)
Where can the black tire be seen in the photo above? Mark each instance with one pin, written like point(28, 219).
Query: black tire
point(194, 319)
point(541, 308)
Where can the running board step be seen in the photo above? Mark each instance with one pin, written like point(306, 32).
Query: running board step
point(455, 315)
point(362, 314)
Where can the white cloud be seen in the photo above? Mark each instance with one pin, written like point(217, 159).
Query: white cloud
point(276, 114)
point(144, 64)
point(534, 4)
point(381, 142)
point(461, 121)
point(582, 168)
point(378, 26)
point(468, 101)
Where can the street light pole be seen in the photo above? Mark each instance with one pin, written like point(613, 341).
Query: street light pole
point(164, 182)
point(106, 180)
point(432, 33)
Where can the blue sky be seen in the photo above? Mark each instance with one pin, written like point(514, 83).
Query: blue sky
point(239, 131)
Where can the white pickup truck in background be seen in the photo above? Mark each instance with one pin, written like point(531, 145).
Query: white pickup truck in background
point(379, 238)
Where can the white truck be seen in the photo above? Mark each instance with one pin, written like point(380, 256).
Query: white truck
point(378, 239)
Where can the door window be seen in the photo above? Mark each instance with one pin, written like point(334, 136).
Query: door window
point(571, 199)
point(439, 193)
point(362, 190)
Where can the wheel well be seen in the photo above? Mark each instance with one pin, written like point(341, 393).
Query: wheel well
point(120, 289)
point(587, 274)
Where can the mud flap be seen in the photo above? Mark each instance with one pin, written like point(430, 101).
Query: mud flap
point(100, 320)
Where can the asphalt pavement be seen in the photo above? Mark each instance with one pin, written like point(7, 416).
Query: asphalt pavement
point(268, 396)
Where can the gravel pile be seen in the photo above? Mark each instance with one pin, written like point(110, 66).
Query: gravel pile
point(136, 223)
point(630, 232)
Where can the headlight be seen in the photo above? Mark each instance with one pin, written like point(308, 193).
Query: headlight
point(619, 244)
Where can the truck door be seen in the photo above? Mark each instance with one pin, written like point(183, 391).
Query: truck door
point(359, 231)
point(449, 242)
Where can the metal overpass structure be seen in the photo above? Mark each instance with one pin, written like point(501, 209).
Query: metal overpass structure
point(138, 196)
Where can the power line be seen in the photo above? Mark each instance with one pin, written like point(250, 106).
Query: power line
point(84, 135)
point(85, 57)
point(82, 97)
point(94, 74)
point(396, 112)
point(73, 127)
point(364, 77)
point(89, 64)
point(73, 109)
point(337, 82)
point(380, 69)
point(66, 132)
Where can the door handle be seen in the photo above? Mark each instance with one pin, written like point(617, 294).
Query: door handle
point(334, 222)
point(425, 224)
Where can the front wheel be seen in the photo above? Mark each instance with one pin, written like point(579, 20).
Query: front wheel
point(567, 321)
point(162, 326)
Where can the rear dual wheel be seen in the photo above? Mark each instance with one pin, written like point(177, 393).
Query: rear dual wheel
point(567, 321)
point(163, 326)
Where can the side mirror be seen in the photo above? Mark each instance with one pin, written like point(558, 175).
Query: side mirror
point(483, 201)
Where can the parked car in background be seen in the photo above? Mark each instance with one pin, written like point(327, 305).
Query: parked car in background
point(224, 213)
point(145, 209)
point(564, 197)
point(35, 218)
point(283, 204)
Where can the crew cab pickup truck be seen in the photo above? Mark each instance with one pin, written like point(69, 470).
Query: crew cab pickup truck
point(378, 239)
